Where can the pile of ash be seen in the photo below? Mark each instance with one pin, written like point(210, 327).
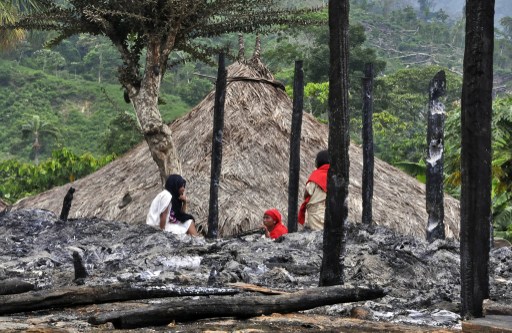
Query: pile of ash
point(422, 279)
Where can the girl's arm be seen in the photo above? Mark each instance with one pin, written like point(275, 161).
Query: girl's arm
point(163, 218)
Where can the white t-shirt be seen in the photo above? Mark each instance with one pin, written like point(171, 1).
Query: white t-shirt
point(159, 204)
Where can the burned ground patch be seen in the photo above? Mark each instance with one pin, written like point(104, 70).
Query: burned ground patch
point(422, 279)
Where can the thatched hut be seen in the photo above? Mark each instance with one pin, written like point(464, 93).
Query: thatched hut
point(254, 173)
point(3, 205)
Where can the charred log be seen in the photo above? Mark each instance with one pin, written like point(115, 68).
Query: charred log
point(336, 211)
point(495, 308)
point(241, 307)
point(80, 271)
point(476, 158)
point(294, 166)
point(218, 128)
point(435, 163)
point(14, 286)
point(368, 158)
point(66, 205)
point(74, 296)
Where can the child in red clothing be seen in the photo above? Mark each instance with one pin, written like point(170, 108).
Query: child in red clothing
point(274, 227)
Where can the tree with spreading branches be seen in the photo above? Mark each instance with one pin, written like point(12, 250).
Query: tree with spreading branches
point(147, 33)
point(9, 11)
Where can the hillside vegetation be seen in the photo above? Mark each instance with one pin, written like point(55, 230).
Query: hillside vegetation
point(87, 114)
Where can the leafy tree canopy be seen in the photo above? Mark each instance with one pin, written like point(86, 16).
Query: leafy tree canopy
point(174, 25)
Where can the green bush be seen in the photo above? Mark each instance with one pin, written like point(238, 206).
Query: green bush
point(23, 179)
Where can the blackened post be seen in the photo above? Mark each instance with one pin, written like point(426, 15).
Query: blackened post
point(66, 204)
point(336, 211)
point(435, 162)
point(368, 159)
point(293, 180)
point(476, 115)
point(80, 271)
point(218, 127)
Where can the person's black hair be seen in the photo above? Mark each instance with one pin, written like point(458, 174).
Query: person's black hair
point(322, 158)
point(173, 184)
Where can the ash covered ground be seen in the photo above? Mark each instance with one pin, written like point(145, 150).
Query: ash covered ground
point(422, 279)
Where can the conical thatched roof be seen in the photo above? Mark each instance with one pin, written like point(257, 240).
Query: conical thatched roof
point(3, 205)
point(254, 167)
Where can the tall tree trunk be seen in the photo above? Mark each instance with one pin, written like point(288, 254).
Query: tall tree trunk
point(293, 180)
point(218, 127)
point(36, 146)
point(476, 117)
point(336, 212)
point(145, 101)
point(435, 164)
point(368, 158)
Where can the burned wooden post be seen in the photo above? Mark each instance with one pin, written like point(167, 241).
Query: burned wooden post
point(80, 271)
point(476, 158)
point(218, 127)
point(368, 158)
point(336, 211)
point(293, 180)
point(66, 205)
point(435, 162)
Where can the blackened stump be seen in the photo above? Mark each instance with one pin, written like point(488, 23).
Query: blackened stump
point(66, 205)
point(435, 164)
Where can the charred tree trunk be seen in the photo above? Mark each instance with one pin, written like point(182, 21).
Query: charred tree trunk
point(241, 307)
point(293, 182)
point(218, 127)
point(435, 164)
point(368, 158)
point(475, 224)
point(336, 212)
point(74, 296)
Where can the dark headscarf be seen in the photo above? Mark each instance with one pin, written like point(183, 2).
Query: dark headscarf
point(173, 184)
point(322, 158)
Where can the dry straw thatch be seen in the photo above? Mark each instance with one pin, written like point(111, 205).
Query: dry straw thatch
point(254, 167)
point(3, 205)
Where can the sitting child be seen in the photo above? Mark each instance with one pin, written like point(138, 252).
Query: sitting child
point(158, 215)
point(274, 227)
point(179, 221)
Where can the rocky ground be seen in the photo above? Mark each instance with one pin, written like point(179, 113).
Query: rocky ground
point(422, 279)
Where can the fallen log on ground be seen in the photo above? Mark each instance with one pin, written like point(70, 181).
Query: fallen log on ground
point(14, 286)
point(241, 307)
point(495, 308)
point(259, 289)
point(84, 295)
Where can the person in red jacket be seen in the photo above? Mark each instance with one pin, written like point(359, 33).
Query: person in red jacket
point(274, 227)
point(312, 210)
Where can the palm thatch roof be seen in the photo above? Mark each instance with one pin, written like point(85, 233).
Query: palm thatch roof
point(3, 205)
point(254, 173)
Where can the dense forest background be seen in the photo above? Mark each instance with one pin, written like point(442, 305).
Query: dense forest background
point(62, 112)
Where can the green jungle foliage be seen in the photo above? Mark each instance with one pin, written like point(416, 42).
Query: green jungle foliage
point(89, 116)
point(501, 160)
point(21, 179)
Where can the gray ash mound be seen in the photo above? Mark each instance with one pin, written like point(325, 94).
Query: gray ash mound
point(422, 279)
